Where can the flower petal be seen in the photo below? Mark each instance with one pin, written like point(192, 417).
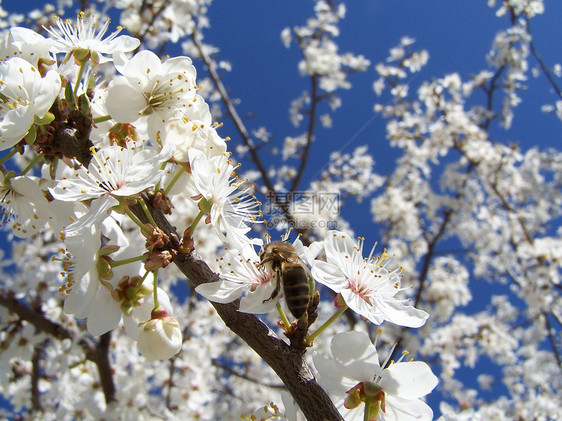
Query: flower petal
point(49, 90)
point(355, 355)
point(409, 380)
point(221, 292)
point(330, 376)
point(80, 299)
point(398, 409)
point(400, 314)
point(259, 301)
point(97, 213)
point(106, 317)
point(124, 103)
point(329, 275)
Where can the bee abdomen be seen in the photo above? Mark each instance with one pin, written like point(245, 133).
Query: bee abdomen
point(297, 289)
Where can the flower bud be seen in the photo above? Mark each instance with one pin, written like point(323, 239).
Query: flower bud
point(160, 337)
point(157, 259)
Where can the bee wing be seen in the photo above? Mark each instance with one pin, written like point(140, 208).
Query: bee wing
point(295, 259)
point(288, 254)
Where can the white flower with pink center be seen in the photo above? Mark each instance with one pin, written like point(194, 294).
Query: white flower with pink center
point(242, 277)
point(367, 286)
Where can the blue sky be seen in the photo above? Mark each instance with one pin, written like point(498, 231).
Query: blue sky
point(457, 33)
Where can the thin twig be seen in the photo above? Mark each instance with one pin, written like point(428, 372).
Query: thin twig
point(35, 377)
point(551, 339)
point(240, 127)
point(236, 373)
point(541, 62)
point(310, 131)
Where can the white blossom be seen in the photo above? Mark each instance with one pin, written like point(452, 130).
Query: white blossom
point(152, 89)
point(27, 44)
point(242, 277)
point(366, 285)
point(231, 211)
point(393, 391)
point(114, 172)
point(23, 202)
point(468, 211)
point(84, 39)
point(24, 95)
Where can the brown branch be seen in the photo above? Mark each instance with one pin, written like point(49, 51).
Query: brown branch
point(155, 13)
point(170, 384)
point(238, 123)
point(35, 377)
point(485, 125)
point(430, 254)
point(310, 131)
point(288, 362)
point(244, 376)
point(541, 62)
point(552, 340)
point(422, 278)
point(37, 319)
point(97, 353)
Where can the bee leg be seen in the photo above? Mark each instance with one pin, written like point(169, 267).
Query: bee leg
point(275, 292)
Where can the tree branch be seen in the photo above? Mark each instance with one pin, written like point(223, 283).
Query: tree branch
point(310, 131)
point(35, 377)
point(97, 353)
point(552, 340)
point(244, 376)
point(170, 384)
point(36, 318)
point(288, 362)
point(100, 356)
point(541, 62)
point(231, 109)
point(430, 254)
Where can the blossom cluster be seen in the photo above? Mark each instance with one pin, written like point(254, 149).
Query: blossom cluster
point(104, 148)
point(116, 179)
point(366, 286)
point(150, 141)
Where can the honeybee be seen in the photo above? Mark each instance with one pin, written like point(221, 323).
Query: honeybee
point(282, 259)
